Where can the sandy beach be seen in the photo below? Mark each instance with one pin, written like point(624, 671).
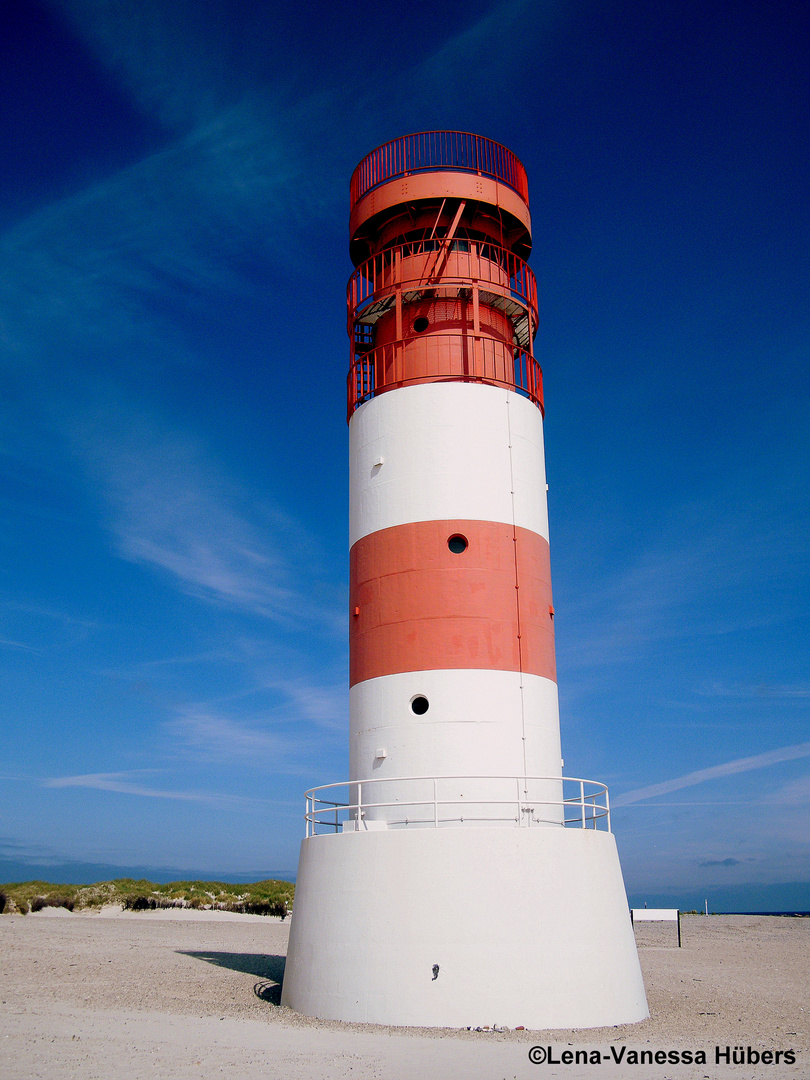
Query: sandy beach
point(186, 994)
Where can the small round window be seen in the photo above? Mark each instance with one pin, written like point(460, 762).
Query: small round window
point(420, 705)
point(457, 544)
point(421, 324)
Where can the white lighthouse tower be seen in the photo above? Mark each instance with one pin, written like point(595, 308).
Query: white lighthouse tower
point(456, 879)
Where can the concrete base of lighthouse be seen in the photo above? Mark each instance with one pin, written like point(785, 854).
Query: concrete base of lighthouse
point(463, 927)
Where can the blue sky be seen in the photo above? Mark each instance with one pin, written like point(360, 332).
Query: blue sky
point(173, 479)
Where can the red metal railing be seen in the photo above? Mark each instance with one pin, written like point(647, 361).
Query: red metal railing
point(461, 263)
point(464, 359)
point(433, 150)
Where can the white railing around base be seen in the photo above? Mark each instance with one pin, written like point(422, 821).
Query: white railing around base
point(444, 801)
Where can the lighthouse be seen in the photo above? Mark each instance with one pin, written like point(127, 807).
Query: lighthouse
point(457, 878)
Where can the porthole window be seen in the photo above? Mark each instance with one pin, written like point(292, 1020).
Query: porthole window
point(457, 544)
point(420, 705)
point(421, 324)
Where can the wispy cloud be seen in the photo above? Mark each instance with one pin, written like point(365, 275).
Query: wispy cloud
point(278, 735)
point(796, 793)
point(49, 628)
point(499, 40)
point(90, 265)
point(704, 570)
point(163, 62)
point(95, 267)
point(322, 704)
point(123, 784)
point(227, 739)
point(185, 62)
point(172, 508)
point(127, 783)
point(729, 768)
point(754, 692)
point(17, 645)
point(25, 851)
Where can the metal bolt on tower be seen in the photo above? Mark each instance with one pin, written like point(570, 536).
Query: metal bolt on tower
point(457, 878)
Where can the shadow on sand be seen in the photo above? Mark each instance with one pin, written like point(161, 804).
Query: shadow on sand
point(269, 969)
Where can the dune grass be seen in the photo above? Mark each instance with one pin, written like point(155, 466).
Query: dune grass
point(260, 897)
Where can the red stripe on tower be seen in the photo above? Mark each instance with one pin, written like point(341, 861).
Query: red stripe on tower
point(450, 594)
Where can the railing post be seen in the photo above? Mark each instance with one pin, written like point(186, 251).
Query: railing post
point(582, 801)
point(359, 811)
point(398, 357)
point(475, 268)
point(398, 285)
point(306, 816)
point(607, 809)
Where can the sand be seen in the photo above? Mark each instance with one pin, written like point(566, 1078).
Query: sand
point(190, 995)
